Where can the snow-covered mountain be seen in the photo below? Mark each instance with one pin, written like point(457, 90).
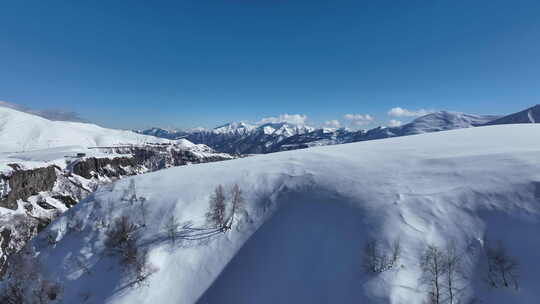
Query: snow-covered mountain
point(20, 131)
point(249, 139)
point(444, 120)
point(434, 122)
point(51, 114)
point(233, 128)
point(237, 138)
point(530, 115)
point(356, 223)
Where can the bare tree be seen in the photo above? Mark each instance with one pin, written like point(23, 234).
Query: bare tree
point(130, 194)
point(118, 235)
point(143, 209)
point(122, 239)
point(172, 228)
point(377, 259)
point(454, 275)
point(502, 268)
point(433, 272)
point(237, 204)
point(216, 213)
point(443, 274)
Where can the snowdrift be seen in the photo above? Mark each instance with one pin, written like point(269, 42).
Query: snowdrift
point(308, 215)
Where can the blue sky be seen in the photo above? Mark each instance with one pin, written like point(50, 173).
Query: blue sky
point(133, 64)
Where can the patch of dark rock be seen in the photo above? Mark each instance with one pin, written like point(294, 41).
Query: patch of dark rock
point(67, 200)
point(45, 205)
point(25, 183)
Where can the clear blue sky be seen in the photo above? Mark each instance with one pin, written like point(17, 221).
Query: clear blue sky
point(201, 63)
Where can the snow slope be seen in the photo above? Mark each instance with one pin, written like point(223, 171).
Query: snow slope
point(20, 131)
point(530, 115)
point(308, 215)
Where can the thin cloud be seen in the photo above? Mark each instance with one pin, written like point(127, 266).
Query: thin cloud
point(394, 123)
point(297, 119)
point(332, 123)
point(358, 119)
point(401, 112)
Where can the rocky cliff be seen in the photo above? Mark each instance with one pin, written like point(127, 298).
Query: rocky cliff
point(31, 198)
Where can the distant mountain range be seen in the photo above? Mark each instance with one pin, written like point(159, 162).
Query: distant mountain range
point(243, 138)
point(238, 138)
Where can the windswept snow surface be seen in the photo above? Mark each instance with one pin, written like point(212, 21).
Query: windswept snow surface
point(20, 131)
point(308, 216)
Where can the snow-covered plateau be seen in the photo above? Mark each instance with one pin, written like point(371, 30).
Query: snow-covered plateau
point(304, 229)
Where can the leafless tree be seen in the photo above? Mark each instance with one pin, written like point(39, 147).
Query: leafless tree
point(216, 213)
point(121, 231)
point(443, 274)
point(502, 269)
point(172, 228)
point(237, 201)
point(377, 259)
point(122, 239)
point(454, 275)
point(143, 209)
point(433, 272)
point(130, 194)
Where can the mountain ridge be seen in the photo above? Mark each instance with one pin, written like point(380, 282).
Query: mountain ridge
point(243, 138)
point(530, 115)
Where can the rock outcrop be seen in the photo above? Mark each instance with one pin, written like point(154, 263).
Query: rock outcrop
point(44, 193)
point(25, 183)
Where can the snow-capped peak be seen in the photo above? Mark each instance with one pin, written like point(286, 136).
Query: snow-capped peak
point(234, 127)
point(446, 120)
point(284, 128)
